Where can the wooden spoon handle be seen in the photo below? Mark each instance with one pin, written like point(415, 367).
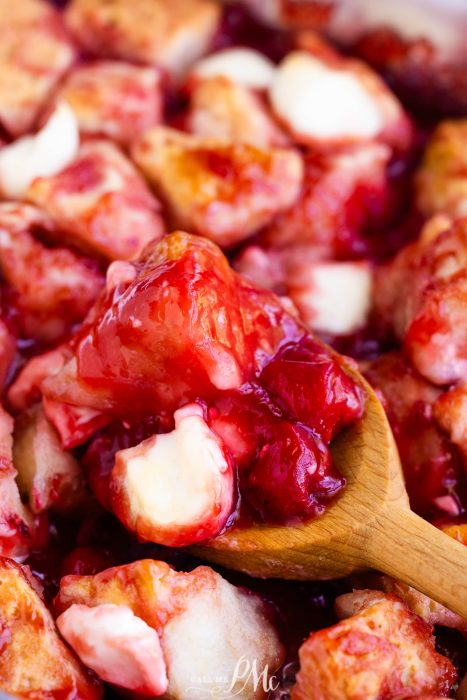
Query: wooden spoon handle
point(408, 548)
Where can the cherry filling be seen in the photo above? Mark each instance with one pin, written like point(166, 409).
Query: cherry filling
point(293, 475)
point(181, 327)
point(309, 382)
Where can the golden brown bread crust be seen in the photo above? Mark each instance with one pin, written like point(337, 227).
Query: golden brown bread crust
point(33, 660)
point(101, 203)
point(224, 191)
point(114, 99)
point(35, 52)
point(382, 652)
point(169, 33)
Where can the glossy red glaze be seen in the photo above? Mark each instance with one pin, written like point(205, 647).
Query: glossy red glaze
point(293, 476)
point(285, 469)
point(311, 384)
point(244, 420)
point(188, 328)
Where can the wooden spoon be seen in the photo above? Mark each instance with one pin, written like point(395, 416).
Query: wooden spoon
point(369, 526)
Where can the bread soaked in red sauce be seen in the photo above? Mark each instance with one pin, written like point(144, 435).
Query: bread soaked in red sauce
point(187, 328)
point(432, 464)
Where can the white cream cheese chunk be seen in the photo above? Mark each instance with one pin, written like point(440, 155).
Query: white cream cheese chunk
point(179, 486)
point(244, 66)
point(317, 101)
point(120, 647)
point(41, 155)
point(337, 297)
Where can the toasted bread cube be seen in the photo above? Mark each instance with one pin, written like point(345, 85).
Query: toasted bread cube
point(114, 99)
point(344, 198)
point(169, 33)
point(145, 586)
point(441, 180)
point(421, 295)
point(35, 663)
point(118, 646)
point(429, 610)
point(345, 195)
point(35, 52)
point(175, 489)
point(20, 530)
point(225, 110)
point(400, 284)
point(52, 289)
point(101, 203)
point(225, 628)
point(230, 329)
point(203, 623)
point(25, 390)
point(47, 474)
point(313, 100)
point(221, 190)
point(382, 651)
point(450, 411)
point(437, 337)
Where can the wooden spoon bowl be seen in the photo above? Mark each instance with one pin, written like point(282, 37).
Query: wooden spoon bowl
point(369, 526)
